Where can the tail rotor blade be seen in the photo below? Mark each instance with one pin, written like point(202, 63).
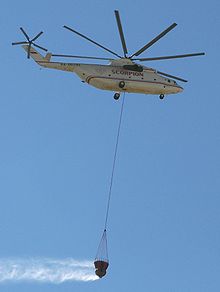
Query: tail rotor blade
point(163, 33)
point(37, 36)
point(39, 47)
point(19, 43)
point(29, 51)
point(121, 32)
point(27, 37)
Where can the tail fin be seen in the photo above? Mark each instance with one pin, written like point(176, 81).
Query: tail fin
point(48, 57)
point(36, 55)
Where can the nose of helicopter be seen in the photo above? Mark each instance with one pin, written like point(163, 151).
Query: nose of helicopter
point(179, 88)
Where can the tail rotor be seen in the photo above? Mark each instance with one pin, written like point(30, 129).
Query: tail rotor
point(30, 42)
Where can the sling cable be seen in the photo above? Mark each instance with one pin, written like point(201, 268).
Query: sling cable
point(101, 260)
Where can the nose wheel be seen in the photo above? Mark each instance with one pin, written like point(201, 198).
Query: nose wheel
point(161, 96)
point(116, 95)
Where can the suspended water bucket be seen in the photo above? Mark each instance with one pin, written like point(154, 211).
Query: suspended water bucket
point(101, 262)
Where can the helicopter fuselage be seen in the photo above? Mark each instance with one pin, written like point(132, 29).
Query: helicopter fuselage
point(121, 75)
point(119, 79)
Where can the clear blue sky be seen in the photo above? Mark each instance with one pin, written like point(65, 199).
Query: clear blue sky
point(57, 137)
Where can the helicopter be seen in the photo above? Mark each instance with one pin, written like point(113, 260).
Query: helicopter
point(122, 74)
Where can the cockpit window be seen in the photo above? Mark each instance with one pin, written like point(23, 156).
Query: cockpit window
point(135, 67)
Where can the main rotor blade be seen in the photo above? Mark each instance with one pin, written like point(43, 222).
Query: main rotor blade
point(90, 40)
point(121, 32)
point(171, 76)
point(39, 47)
point(81, 57)
point(20, 43)
point(163, 33)
point(27, 37)
point(169, 57)
point(37, 36)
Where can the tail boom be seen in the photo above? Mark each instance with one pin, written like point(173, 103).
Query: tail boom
point(45, 61)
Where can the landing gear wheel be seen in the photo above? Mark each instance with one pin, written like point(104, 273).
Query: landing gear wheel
point(116, 96)
point(161, 96)
point(121, 84)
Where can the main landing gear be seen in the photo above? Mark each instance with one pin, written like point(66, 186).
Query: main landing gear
point(121, 84)
point(116, 95)
point(161, 96)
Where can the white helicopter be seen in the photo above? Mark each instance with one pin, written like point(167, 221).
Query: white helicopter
point(122, 74)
